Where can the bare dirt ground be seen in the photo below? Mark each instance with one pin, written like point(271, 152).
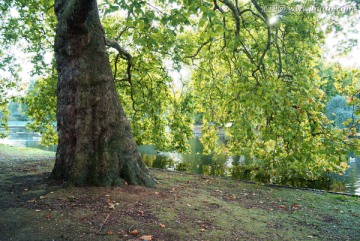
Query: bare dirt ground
point(181, 207)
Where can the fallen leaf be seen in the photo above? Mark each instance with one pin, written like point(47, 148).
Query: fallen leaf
point(188, 205)
point(296, 206)
point(162, 225)
point(146, 237)
point(202, 230)
point(109, 232)
point(42, 197)
point(232, 196)
point(112, 206)
point(134, 232)
point(141, 212)
point(282, 206)
point(156, 193)
point(37, 210)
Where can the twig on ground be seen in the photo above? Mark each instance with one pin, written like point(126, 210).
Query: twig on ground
point(103, 223)
point(131, 227)
point(279, 236)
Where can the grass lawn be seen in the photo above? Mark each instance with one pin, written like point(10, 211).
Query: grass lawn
point(181, 207)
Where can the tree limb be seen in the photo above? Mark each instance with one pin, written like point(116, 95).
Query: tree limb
point(236, 15)
point(261, 11)
point(224, 34)
point(198, 51)
point(115, 66)
point(279, 53)
point(126, 56)
point(123, 54)
point(217, 7)
point(267, 47)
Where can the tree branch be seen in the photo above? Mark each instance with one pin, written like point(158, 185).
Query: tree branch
point(198, 51)
point(267, 47)
point(217, 7)
point(224, 34)
point(236, 15)
point(261, 11)
point(279, 53)
point(123, 54)
point(115, 66)
point(126, 56)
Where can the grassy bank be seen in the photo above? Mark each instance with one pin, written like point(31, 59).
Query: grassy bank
point(181, 207)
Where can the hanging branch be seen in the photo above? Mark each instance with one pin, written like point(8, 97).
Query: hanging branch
point(267, 47)
point(261, 11)
point(217, 7)
point(198, 50)
point(115, 66)
point(123, 54)
point(224, 34)
point(126, 56)
point(235, 13)
point(279, 53)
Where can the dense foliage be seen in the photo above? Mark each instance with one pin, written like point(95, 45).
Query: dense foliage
point(254, 74)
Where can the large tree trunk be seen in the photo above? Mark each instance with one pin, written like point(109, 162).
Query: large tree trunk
point(96, 146)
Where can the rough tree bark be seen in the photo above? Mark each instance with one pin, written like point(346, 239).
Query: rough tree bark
point(96, 146)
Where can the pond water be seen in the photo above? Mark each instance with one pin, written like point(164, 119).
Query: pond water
point(221, 165)
point(217, 165)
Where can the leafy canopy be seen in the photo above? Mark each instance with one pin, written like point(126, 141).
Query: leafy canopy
point(253, 73)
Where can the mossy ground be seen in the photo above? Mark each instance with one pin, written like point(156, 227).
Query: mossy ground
point(181, 207)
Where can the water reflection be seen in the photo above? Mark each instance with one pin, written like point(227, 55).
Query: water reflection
point(235, 167)
point(214, 165)
point(194, 162)
point(25, 138)
point(350, 181)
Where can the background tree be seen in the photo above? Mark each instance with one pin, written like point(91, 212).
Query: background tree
point(340, 113)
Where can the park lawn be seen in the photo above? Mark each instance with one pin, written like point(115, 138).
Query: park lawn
point(181, 207)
